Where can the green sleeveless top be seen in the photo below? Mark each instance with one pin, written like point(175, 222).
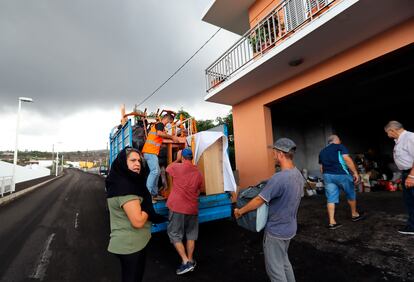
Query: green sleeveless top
point(125, 239)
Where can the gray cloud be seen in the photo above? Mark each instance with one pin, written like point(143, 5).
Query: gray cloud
point(72, 55)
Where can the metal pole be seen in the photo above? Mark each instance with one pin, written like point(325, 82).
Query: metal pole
point(57, 162)
point(53, 159)
point(13, 186)
point(2, 186)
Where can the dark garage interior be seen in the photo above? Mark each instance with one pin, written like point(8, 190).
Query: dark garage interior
point(354, 105)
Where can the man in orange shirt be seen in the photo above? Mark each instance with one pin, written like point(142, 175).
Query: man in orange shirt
point(151, 150)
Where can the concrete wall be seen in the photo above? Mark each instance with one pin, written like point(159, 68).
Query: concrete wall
point(45, 163)
point(23, 173)
point(253, 143)
point(253, 125)
point(309, 135)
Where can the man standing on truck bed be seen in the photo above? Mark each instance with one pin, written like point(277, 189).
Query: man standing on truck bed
point(183, 205)
point(151, 150)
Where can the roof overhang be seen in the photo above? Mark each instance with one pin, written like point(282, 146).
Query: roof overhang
point(232, 15)
point(345, 25)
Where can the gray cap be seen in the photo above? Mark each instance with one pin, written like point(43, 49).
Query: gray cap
point(285, 145)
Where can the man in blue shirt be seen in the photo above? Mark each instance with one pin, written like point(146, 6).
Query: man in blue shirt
point(336, 165)
point(282, 193)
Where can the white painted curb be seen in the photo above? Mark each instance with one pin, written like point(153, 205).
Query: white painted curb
point(16, 195)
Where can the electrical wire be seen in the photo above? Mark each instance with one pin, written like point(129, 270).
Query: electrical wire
point(186, 62)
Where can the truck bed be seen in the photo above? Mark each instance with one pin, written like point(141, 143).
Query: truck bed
point(211, 207)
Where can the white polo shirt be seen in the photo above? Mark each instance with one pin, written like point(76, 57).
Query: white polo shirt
point(404, 150)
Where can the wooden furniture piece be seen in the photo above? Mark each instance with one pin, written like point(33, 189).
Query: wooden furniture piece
point(210, 165)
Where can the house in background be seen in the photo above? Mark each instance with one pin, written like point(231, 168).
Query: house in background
point(305, 69)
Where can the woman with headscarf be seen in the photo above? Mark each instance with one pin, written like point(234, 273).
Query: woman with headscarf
point(131, 213)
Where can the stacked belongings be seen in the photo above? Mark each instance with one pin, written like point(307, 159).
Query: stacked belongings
point(138, 136)
point(139, 129)
point(314, 185)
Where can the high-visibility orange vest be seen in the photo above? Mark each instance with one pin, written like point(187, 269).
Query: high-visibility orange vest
point(153, 143)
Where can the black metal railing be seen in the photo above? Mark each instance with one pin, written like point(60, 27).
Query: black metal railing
point(285, 18)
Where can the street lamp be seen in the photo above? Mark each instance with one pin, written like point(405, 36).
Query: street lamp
point(27, 100)
point(57, 158)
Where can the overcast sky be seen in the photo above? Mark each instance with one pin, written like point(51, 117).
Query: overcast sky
point(80, 60)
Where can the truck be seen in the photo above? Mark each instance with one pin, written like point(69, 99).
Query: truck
point(132, 131)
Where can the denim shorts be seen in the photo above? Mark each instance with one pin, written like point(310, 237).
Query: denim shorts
point(335, 182)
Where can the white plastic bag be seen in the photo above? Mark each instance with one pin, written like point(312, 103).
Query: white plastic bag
point(261, 216)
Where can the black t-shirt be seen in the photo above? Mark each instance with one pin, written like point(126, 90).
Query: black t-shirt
point(159, 126)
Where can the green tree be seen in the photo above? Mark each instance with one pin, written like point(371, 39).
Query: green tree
point(228, 121)
point(185, 114)
point(205, 124)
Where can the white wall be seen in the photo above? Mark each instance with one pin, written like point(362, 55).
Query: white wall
point(23, 173)
point(74, 164)
point(45, 163)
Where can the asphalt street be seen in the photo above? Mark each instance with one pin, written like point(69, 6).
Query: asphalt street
point(57, 233)
point(60, 232)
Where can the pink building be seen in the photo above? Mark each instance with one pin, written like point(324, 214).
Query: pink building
point(305, 69)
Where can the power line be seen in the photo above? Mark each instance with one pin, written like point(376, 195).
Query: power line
point(189, 59)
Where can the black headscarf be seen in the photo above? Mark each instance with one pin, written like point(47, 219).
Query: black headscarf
point(121, 181)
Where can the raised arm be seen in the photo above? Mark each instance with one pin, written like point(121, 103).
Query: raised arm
point(166, 135)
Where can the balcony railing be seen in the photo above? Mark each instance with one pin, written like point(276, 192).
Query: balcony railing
point(285, 18)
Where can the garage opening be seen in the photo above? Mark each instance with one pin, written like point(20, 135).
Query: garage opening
point(354, 105)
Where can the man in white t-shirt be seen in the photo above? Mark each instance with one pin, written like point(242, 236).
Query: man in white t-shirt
point(404, 159)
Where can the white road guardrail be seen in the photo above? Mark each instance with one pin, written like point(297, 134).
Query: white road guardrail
point(6, 185)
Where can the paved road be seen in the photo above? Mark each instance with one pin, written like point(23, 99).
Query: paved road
point(57, 233)
point(60, 232)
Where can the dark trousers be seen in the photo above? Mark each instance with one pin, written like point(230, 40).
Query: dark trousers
point(408, 196)
point(133, 266)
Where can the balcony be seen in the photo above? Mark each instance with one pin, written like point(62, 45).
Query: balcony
point(294, 36)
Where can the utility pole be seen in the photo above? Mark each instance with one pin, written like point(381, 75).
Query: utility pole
point(57, 162)
point(53, 160)
point(87, 159)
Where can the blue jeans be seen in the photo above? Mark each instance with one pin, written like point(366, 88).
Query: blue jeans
point(154, 167)
point(408, 196)
point(334, 182)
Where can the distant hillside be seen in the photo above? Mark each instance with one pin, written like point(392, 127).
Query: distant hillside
point(76, 156)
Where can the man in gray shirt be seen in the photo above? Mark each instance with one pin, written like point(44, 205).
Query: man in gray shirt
point(282, 193)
